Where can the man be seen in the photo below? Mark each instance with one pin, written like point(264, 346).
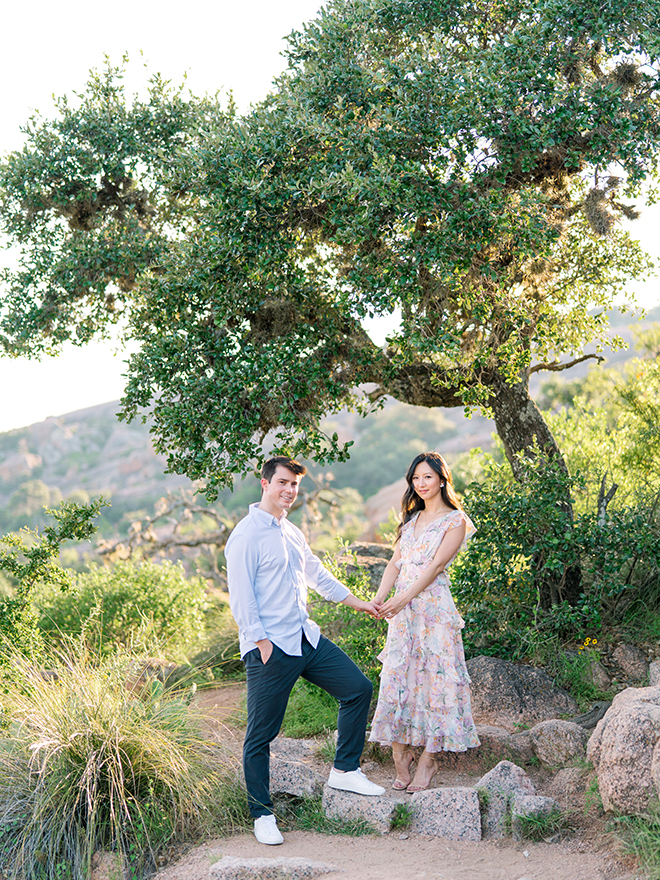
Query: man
point(270, 567)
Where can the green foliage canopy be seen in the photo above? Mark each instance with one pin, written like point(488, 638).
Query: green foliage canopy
point(464, 163)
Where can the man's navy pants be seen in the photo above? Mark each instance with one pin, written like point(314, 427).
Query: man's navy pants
point(268, 689)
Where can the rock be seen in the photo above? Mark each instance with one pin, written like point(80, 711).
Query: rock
point(378, 506)
point(557, 743)
point(567, 785)
point(526, 806)
point(498, 743)
point(371, 548)
point(230, 868)
point(452, 813)
point(633, 662)
point(592, 669)
point(598, 676)
point(500, 785)
point(294, 778)
point(373, 566)
point(625, 750)
point(289, 749)
point(506, 695)
point(377, 811)
point(654, 673)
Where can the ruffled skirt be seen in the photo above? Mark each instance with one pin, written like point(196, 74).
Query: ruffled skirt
point(424, 697)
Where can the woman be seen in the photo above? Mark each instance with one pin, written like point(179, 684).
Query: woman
point(424, 697)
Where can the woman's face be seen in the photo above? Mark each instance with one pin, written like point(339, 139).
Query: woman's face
point(426, 482)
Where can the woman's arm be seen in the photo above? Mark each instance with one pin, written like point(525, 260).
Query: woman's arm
point(389, 576)
point(449, 547)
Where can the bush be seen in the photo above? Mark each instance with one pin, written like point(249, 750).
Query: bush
point(29, 559)
point(523, 550)
point(124, 599)
point(88, 764)
point(361, 637)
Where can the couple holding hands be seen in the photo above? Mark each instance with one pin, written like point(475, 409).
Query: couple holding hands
point(424, 698)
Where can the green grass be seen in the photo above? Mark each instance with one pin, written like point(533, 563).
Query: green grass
point(641, 838)
point(310, 711)
point(540, 827)
point(401, 817)
point(88, 763)
point(306, 814)
point(574, 674)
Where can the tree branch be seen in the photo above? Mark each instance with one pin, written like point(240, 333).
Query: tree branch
point(556, 367)
point(414, 384)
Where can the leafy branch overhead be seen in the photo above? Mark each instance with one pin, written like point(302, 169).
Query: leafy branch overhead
point(464, 164)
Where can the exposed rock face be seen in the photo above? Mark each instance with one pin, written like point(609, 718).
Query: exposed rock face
point(371, 548)
point(598, 675)
point(529, 806)
point(633, 662)
point(369, 557)
point(505, 694)
point(569, 784)
point(501, 785)
point(557, 743)
point(377, 811)
point(654, 673)
point(230, 868)
point(295, 779)
point(452, 813)
point(291, 768)
point(498, 742)
point(625, 750)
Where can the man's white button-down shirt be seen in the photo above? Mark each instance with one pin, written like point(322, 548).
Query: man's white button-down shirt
point(269, 570)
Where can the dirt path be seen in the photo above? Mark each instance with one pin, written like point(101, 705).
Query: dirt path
point(587, 854)
point(414, 858)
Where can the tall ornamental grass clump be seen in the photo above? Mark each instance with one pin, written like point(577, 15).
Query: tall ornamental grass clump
point(111, 604)
point(88, 763)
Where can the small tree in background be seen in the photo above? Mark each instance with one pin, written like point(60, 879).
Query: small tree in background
point(30, 558)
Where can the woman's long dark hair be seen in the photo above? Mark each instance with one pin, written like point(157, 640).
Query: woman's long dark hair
point(411, 502)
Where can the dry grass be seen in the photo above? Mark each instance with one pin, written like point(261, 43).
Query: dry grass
point(88, 764)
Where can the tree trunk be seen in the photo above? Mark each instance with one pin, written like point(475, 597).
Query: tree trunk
point(521, 427)
point(520, 424)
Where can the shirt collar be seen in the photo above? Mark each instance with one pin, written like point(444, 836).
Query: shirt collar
point(267, 518)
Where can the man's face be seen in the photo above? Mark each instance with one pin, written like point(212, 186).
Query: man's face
point(282, 490)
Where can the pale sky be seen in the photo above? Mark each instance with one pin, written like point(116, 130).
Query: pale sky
point(50, 47)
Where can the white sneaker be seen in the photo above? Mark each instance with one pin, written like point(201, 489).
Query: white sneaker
point(266, 830)
point(354, 780)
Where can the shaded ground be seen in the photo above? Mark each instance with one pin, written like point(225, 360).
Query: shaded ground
point(586, 853)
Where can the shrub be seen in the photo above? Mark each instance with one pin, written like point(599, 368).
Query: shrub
point(87, 764)
point(124, 599)
point(525, 546)
point(30, 560)
point(361, 637)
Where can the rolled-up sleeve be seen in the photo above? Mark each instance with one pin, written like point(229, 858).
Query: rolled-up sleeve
point(319, 578)
point(242, 560)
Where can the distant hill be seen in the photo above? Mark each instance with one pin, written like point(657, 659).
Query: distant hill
point(89, 452)
point(80, 455)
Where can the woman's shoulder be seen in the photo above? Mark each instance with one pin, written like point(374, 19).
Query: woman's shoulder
point(458, 518)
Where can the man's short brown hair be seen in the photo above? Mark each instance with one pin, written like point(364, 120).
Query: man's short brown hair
point(270, 466)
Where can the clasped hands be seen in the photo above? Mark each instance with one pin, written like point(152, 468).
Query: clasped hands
point(385, 610)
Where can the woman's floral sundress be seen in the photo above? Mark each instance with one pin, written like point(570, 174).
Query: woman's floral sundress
point(424, 697)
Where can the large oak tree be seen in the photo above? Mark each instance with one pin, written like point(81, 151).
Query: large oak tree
point(463, 163)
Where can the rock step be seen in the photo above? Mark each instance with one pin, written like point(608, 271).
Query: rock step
point(230, 868)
